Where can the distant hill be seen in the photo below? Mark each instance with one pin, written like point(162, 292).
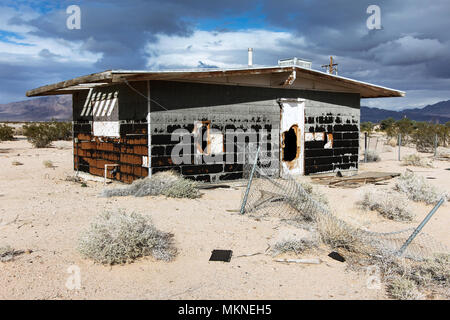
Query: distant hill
point(438, 112)
point(60, 107)
point(38, 109)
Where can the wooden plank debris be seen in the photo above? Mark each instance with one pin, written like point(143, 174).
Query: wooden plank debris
point(356, 180)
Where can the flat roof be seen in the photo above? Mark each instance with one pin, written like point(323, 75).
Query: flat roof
point(299, 78)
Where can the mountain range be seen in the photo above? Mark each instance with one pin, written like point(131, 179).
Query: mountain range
point(60, 108)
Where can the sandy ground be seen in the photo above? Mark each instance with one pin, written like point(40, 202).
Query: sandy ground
point(42, 212)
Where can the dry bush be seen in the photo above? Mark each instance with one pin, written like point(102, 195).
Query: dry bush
point(117, 238)
point(417, 188)
point(166, 183)
point(182, 188)
point(48, 164)
point(417, 161)
point(434, 271)
point(318, 196)
point(392, 142)
point(389, 205)
point(41, 135)
point(7, 253)
point(338, 234)
point(6, 133)
point(17, 163)
point(296, 245)
point(372, 156)
point(402, 288)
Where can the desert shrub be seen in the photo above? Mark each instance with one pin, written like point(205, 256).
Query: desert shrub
point(41, 135)
point(17, 163)
point(388, 204)
point(7, 253)
point(424, 137)
point(435, 270)
point(338, 234)
point(402, 288)
point(372, 156)
point(61, 130)
point(166, 183)
point(392, 142)
point(367, 127)
point(6, 133)
point(182, 188)
point(293, 244)
point(117, 238)
point(417, 188)
point(417, 161)
point(48, 164)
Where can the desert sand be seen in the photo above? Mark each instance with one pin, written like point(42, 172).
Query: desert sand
point(42, 212)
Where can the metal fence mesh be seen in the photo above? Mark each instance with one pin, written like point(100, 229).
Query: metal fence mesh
point(285, 198)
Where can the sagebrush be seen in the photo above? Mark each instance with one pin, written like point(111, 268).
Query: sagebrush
point(372, 156)
point(117, 238)
point(6, 133)
point(296, 245)
point(417, 188)
point(41, 135)
point(402, 288)
point(166, 183)
point(390, 205)
point(417, 161)
point(7, 253)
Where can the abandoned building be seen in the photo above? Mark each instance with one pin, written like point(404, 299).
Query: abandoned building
point(124, 121)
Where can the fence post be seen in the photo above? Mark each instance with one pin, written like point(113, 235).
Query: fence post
point(399, 145)
point(365, 147)
point(419, 228)
point(244, 200)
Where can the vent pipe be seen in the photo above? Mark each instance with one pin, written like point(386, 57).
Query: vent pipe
point(250, 57)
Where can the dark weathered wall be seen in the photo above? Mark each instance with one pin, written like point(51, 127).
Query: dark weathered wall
point(339, 123)
point(225, 119)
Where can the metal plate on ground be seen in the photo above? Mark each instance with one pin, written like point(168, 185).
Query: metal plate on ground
point(221, 255)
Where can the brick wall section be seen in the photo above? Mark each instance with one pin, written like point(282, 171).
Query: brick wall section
point(92, 153)
point(343, 123)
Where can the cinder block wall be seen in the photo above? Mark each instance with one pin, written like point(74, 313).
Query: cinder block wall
point(225, 119)
point(342, 122)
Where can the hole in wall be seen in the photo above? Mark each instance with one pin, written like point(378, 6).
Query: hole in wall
point(290, 147)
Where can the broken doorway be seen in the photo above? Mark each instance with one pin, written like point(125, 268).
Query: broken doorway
point(292, 127)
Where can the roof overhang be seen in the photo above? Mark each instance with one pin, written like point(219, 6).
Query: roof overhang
point(295, 78)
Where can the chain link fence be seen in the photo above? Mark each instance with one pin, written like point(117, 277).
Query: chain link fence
point(287, 199)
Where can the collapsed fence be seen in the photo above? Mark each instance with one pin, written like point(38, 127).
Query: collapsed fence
point(286, 199)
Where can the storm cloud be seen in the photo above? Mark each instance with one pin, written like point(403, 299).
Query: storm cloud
point(410, 52)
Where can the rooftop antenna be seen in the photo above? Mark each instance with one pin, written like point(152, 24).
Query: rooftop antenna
point(332, 67)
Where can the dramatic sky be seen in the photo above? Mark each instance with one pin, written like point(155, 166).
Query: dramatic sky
point(411, 51)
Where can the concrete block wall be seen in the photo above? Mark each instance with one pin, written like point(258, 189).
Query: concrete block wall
point(332, 122)
point(225, 119)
